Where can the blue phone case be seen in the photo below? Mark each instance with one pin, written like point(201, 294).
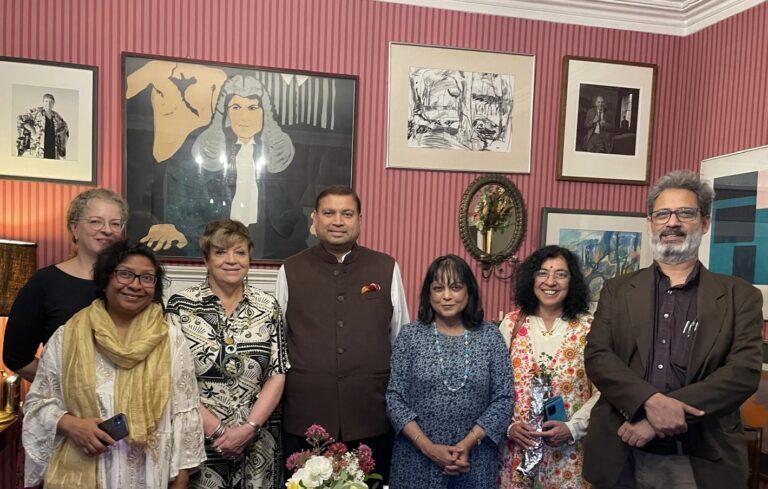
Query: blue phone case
point(554, 409)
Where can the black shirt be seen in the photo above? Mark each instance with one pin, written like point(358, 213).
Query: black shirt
point(46, 302)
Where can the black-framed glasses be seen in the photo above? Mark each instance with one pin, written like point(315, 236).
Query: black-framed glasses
point(97, 224)
point(545, 274)
point(126, 277)
point(683, 214)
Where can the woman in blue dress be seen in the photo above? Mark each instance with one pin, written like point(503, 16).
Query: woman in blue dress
point(450, 391)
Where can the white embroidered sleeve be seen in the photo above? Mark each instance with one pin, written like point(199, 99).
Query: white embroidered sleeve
point(43, 408)
point(186, 423)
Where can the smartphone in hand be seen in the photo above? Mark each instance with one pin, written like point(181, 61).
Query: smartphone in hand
point(554, 409)
point(116, 426)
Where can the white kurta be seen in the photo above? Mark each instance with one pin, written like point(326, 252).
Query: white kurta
point(179, 432)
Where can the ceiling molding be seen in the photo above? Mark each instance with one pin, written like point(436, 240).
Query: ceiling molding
point(673, 17)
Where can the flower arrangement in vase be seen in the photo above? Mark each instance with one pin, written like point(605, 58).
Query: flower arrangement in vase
point(329, 465)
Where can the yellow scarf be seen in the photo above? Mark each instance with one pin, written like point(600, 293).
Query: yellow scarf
point(142, 385)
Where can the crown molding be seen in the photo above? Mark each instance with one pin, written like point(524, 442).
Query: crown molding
point(672, 17)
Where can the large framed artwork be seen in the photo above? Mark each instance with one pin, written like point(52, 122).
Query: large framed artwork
point(207, 141)
point(606, 121)
point(737, 242)
point(607, 244)
point(458, 109)
point(48, 130)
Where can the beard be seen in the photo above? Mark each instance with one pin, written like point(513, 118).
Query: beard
point(674, 253)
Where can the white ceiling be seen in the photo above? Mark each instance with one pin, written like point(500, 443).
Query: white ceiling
point(674, 17)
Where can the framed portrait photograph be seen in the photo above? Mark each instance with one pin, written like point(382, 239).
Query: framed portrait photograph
point(48, 128)
point(737, 242)
point(607, 244)
point(207, 141)
point(606, 121)
point(459, 109)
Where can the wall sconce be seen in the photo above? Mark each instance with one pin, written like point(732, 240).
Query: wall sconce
point(18, 261)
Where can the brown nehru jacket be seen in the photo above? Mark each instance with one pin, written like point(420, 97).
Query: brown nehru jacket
point(338, 342)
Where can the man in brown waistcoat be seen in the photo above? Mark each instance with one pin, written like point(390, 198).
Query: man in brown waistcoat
point(344, 305)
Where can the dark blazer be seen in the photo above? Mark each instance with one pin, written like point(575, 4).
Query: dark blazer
point(723, 371)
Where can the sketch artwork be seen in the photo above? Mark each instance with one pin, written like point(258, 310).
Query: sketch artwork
point(462, 110)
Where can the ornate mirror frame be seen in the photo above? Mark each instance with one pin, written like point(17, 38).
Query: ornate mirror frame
point(491, 261)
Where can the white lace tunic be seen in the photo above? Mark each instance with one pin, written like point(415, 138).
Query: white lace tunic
point(179, 434)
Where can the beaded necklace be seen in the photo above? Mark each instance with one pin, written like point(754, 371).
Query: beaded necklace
point(442, 361)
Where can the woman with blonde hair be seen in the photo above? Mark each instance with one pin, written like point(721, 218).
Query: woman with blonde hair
point(235, 333)
point(95, 219)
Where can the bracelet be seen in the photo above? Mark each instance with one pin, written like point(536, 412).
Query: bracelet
point(508, 427)
point(478, 440)
point(256, 427)
point(217, 432)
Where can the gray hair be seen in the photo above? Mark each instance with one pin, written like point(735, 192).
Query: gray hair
point(80, 203)
point(209, 149)
point(687, 180)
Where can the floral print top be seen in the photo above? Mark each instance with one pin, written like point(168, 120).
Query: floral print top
point(559, 353)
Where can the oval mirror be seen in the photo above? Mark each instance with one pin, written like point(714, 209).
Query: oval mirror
point(492, 219)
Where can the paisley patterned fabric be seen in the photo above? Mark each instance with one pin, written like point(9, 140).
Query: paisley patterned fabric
point(561, 466)
point(233, 357)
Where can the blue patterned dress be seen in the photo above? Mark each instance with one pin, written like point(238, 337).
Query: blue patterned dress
point(416, 392)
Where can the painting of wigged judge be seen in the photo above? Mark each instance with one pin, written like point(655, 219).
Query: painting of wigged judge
point(607, 119)
point(210, 141)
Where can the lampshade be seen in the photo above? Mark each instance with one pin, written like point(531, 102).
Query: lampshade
point(18, 261)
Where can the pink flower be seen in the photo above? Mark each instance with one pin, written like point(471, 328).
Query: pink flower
point(365, 458)
point(317, 432)
point(297, 460)
point(337, 448)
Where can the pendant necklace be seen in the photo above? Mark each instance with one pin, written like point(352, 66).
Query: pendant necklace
point(442, 361)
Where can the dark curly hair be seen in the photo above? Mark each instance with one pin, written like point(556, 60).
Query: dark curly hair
point(577, 300)
point(451, 269)
point(113, 255)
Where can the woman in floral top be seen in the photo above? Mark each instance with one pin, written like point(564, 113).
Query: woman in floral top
point(546, 336)
point(235, 334)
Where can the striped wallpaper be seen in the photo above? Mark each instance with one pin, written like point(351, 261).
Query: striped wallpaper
point(711, 96)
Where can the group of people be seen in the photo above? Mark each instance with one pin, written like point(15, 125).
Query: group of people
point(221, 385)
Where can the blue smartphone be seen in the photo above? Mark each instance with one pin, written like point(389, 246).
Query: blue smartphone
point(554, 409)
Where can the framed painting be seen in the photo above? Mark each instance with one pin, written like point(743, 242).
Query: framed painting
point(606, 121)
point(48, 132)
point(737, 242)
point(207, 141)
point(607, 244)
point(458, 109)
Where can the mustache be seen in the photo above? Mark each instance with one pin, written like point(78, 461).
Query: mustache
point(672, 232)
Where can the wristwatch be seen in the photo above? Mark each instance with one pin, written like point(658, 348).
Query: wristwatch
point(256, 427)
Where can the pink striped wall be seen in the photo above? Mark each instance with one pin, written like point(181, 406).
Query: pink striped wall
point(710, 99)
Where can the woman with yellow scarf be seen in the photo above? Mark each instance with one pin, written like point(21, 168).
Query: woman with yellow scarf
point(117, 355)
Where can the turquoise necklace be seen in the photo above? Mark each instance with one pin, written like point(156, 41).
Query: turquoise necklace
point(442, 361)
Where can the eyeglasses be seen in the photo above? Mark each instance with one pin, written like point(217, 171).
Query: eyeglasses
point(545, 274)
point(683, 214)
point(97, 224)
point(126, 277)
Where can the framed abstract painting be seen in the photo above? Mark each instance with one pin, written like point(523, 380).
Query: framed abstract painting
point(737, 242)
point(607, 244)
